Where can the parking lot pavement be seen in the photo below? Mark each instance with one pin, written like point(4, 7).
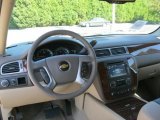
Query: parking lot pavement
point(31, 34)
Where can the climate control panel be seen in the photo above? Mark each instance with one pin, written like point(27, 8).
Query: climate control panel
point(120, 86)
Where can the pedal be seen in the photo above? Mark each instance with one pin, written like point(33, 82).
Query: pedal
point(11, 117)
point(68, 107)
point(53, 112)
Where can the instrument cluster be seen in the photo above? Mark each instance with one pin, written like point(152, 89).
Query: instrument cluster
point(56, 48)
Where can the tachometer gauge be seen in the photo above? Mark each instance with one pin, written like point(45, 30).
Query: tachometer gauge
point(61, 51)
point(43, 53)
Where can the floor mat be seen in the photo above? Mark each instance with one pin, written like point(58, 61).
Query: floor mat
point(56, 115)
point(41, 112)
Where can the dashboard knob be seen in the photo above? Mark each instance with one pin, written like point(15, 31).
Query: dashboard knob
point(4, 83)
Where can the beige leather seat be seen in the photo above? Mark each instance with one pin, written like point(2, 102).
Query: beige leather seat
point(150, 111)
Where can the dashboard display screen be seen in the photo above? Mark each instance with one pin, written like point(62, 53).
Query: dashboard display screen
point(117, 70)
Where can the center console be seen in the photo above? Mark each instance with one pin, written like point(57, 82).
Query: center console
point(118, 78)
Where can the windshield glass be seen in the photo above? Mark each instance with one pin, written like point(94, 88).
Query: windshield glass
point(32, 18)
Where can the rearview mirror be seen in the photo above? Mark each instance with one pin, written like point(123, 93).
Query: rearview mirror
point(118, 1)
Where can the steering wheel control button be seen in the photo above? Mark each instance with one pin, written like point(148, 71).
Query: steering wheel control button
point(44, 75)
point(64, 66)
point(85, 70)
point(4, 83)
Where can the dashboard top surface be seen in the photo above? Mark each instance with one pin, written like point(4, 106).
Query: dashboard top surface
point(102, 42)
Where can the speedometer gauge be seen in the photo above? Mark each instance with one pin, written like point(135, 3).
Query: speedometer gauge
point(61, 51)
point(43, 53)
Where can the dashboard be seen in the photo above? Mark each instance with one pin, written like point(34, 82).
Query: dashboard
point(122, 61)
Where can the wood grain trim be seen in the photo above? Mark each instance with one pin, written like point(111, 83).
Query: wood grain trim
point(135, 48)
point(105, 83)
point(134, 81)
point(125, 111)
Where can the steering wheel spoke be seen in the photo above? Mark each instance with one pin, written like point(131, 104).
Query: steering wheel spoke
point(85, 58)
point(47, 77)
point(51, 85)
point(80, 80)
point(39, 64)
point(83, 63)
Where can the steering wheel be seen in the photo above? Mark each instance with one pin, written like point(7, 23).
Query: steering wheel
point(63, 71)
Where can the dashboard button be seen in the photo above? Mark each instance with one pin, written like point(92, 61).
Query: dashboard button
point(113, 84)
point(4, 83)
point(128, 81)
point(13, 82)
point(112, 94)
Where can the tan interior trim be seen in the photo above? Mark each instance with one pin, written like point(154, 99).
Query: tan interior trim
point(6, 10)
point(22, 96)
point(79, 101)
point(5, 112)
point(29, 95)
point(96, 110)
point(67, 88)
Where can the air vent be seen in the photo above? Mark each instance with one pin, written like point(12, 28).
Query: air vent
point(102, 52)
point(120, 50)
point(11, 68)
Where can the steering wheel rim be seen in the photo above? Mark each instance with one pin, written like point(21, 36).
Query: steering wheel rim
point(80, 58)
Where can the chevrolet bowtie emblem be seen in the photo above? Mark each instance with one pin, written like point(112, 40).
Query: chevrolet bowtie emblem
point(64, 66)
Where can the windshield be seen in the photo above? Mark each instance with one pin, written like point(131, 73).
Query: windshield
point(32, 18)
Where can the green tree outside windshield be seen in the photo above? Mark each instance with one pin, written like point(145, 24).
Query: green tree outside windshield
point(39, 13)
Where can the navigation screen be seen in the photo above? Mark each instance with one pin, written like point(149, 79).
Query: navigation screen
point(117, 70)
